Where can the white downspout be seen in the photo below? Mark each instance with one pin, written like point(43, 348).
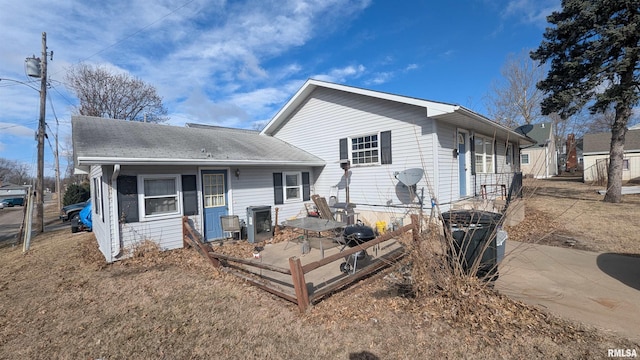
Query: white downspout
point(114, 205)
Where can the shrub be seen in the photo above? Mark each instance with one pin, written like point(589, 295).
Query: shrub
point(76, 193)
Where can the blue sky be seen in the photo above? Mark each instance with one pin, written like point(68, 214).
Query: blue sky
point(235, 63)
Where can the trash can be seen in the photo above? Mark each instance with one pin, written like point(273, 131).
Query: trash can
point(501, 243)
point(474, 239)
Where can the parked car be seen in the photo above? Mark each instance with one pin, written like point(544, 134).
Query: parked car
point(68, 212)
point(11, 202)
point(82, 221)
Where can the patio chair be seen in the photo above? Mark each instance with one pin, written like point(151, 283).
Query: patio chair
point(231, 224)
point(323, 208)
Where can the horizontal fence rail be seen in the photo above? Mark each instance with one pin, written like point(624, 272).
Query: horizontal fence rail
point(296, 270)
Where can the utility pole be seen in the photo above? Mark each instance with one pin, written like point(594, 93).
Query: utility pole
point(41, 131)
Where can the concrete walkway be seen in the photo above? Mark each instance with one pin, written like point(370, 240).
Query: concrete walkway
point(598, 289)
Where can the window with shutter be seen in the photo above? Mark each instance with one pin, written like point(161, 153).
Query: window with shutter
point(372, 149)
point(291, 187)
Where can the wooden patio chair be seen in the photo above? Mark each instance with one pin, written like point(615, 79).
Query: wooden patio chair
point(323, 208)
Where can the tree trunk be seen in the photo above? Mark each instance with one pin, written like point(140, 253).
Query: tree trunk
point(616, 154)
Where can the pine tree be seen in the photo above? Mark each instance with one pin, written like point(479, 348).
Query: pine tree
point(593, 47)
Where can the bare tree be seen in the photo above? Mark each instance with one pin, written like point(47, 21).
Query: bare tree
point(116, 96)
point(13, 172)
point(515, 99)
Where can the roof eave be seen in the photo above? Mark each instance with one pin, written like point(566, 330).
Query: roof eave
point(311, 84)
point(522, 139)
point(87, 161)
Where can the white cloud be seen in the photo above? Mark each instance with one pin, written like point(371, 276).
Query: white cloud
point(15, 130)
point(531, 11)
point(380, 78)
point(341, 74)
point(411, 67)
point(212, 61)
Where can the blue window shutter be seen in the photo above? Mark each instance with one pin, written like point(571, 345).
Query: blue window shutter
point(385, 147)
point(278, 191)
point(306, 187)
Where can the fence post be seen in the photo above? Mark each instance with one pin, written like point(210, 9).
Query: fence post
point(299, 284)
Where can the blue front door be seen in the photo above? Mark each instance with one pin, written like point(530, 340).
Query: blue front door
point(462, 164)
point(214, 191)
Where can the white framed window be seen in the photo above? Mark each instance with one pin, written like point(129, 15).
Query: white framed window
point(625, 164)
point(365, 149)
point(524, 159)
point(484, 154)
point(292, 186)
point(159, 196)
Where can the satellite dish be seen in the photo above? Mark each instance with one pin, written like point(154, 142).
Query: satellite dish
point(410, 177)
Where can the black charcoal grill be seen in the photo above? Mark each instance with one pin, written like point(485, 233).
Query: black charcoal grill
point(353, 236)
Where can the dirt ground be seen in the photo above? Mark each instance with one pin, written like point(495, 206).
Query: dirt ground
point(61, 300)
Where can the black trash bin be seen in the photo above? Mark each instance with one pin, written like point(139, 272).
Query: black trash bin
point(471, 230)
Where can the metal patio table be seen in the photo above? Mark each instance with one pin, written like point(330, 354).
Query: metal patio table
point(316, 225)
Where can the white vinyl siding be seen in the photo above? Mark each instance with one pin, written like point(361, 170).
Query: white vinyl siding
point(254, 187)
point(448, 174)
point(335, 115)
point(164, 230)
point(100, 228)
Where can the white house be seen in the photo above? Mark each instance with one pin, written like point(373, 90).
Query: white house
point(596, 156)
point(539, 160)
point(328, 139)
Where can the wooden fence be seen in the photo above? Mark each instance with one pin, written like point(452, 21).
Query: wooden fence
point(296, 270)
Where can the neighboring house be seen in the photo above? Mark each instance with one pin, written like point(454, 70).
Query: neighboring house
point(145, 177)
point(539, 160)
point(596, 156)
point(12, 191)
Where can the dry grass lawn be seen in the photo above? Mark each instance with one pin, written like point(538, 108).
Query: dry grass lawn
point(567, 212)
point(60, 300)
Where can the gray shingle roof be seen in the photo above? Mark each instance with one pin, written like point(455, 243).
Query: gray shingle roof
point(98, 140)
point(538, 132)
point(601, 142)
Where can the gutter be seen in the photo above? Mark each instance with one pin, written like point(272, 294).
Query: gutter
point(95, 160)
point(487, 121)
point(114, 181)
